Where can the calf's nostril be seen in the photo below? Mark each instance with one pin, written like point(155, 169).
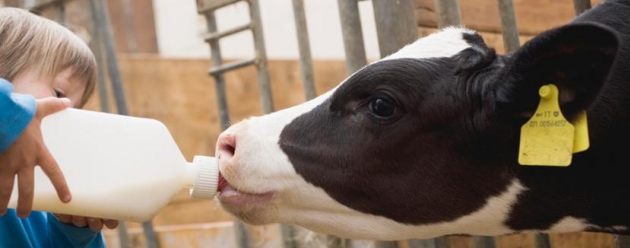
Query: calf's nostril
point(227, 146)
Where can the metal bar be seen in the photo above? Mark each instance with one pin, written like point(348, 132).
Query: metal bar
point(220, 69)
point(288, 235)
point(395, 28)
point(508, 25)
point(217, 35)
point(336, 242)
point(306, 62)
point(261, 57)
point(352, 35)
point(541, 240)
point(41, 5)
point(23, 3)
point(97, 47)
point(204, 6)
point(102, 81)
point(242, 235)
point(112, 60)
point(396, 24)
point(149, 234)
point(219, 79)
point(440, 242)
point(61, 14)
point(123, 236)
point(306, 69)
point(581, 6)
point(112, 66)
point(103, 28)
point(242, 240)
point(448, 13)
point(482, 242)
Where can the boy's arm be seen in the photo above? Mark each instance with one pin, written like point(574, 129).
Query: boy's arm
point(22, 147)
point(64, 235)
point(16, 112)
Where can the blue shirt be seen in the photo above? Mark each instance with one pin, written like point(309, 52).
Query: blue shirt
point(40, 229)
point(16, 111)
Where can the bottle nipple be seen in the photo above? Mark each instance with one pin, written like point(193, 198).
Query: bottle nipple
point(207, 178)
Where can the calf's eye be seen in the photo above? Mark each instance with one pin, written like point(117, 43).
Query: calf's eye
point(382, 107)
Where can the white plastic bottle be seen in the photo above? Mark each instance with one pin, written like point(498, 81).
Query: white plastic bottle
point(117, 167)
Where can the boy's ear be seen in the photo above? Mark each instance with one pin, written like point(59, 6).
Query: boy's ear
point(577, 58)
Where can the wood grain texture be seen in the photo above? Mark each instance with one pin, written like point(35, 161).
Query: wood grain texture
point(532, 16)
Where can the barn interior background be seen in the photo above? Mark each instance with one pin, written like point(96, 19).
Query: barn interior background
point(155, 64)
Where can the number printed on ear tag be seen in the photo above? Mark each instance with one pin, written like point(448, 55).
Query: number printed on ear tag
point(547, 139)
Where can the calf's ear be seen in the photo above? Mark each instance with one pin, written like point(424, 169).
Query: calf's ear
point(577, 58)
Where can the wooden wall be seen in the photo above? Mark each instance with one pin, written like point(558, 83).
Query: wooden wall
point(533, 16)
point(133, 25)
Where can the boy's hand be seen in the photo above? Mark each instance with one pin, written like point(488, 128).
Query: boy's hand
point(95, 224)
point(24, 154)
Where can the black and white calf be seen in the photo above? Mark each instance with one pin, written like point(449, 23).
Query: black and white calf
point(424, 142)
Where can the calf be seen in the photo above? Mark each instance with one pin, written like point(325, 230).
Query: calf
point(425, 142)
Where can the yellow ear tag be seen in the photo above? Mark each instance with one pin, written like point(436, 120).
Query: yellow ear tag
point(547, 138)
point(581, 142)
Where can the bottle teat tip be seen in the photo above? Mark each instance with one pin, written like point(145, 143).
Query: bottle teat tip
point(207, 179)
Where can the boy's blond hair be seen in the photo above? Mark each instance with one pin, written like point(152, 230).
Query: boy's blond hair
point(30, 42)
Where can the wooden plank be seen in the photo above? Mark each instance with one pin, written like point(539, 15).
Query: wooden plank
point(144, 22)
point(533, 16)
point(118, 25)
point(133, 25)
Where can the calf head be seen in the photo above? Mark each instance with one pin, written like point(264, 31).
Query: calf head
point(422, 143)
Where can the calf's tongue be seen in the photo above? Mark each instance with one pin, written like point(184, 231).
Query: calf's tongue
point(222, 183)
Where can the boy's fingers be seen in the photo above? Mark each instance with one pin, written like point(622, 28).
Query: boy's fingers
point(25, 192)
point(6, 188)
point(95, 224)
point(111, 224)
point(79, 221)
point(54, 173)
point(50, 105)
point(64, 218)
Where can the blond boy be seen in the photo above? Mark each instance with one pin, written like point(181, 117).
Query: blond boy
point(44, 68)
